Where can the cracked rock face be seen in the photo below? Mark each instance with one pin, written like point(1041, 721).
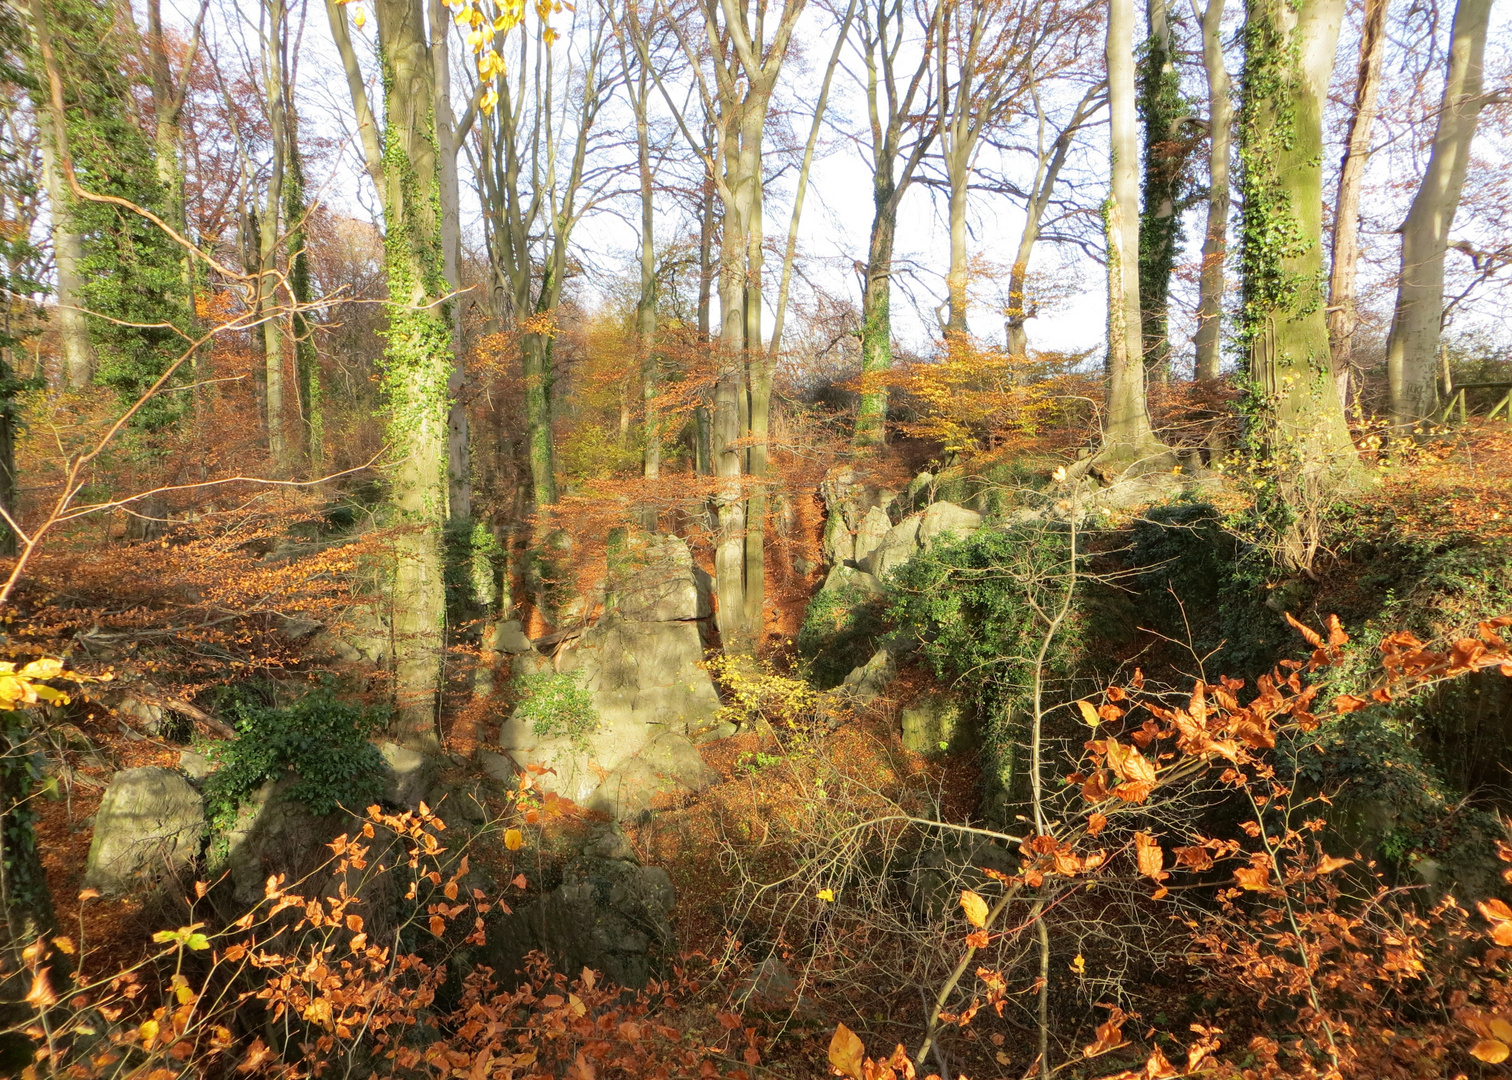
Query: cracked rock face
point(641, 664)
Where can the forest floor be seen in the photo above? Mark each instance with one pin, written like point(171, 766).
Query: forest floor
point(1458, 485)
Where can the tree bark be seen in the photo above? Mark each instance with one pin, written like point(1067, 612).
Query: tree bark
point(1346, 231)
point(68, 245)
point(275, 11)
point(1047, 172)
point(1129, 442)
point(459, 466)
point(1288, 61)
point(418, 358)
point(1161, 108)
point(1215, 238)
point(1418, 319)
point(890, 112)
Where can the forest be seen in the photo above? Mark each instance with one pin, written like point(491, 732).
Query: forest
point(755, 539)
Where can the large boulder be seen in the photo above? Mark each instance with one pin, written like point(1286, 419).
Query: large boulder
point(608, 914)
point(274, 834)
point(945, 517)
point(668, 765)
point(655, 581)
point(930, 724)
point(641, 667)
point(869, 536)
point(150, 825)
point(844, 577)
point(897, 547)
point(839, 545)
point(867, 682)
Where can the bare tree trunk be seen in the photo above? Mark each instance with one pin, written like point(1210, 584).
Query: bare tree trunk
point(1215, 239)
point(458, 469)
point(891, 113)
point(1418, 321)
point(275, 12)
point(1047, 170)
point(1162, 109)
point(703, 463)
point(645, 308)
point(1346, 231)
point(1129, 442)
point(958, 277)
point(306, 357)
point(68, 251)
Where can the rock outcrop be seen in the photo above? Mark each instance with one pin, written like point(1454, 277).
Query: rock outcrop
point(150, 826)
point(609, 913)
point(651, 699)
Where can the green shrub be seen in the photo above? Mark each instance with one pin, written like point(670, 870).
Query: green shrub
point(322, 739)
point(556, 703)
point(968, 604)
point(840, 630)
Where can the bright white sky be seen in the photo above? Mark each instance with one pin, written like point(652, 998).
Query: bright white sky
point(837, 215)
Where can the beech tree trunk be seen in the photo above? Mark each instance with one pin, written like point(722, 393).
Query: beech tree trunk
point(275, 11)
point(1346, 231)
point(1208, 339)
point(1048, 164)
point(1129, 442)
point(1413, 350)
point(1288, 60)
point(1161, 107)
point(891, 110)
point(746, 67)
point(68, 247)
point(418, 359)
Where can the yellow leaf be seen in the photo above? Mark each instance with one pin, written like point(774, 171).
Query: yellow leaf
point(1329, 864)
point(1079, 965)
point(1089, 713)
point(1501, 1029)
point(846, 1052)
point(148, 1031)
point(361, 19)
point(514, 839)
point(1491, 1051)
point(827, 895)
point(974, 907)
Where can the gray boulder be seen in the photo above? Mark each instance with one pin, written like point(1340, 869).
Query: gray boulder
point(869, 536)
point(897, 547)
point(867, 682)
point(194, 765)
point(943, 517)
point(509, 637)
point(645, 681)
point(411, 774)
point(668, 765)
point(654, 581)
point(149, 826)
point(930, 724)
point(274, 834)
point(839, 544)
point(841, 577)
point(609, 915)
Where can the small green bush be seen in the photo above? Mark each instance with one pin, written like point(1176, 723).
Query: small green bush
point(322, 739)
point(840, 630)
point(556, 703)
